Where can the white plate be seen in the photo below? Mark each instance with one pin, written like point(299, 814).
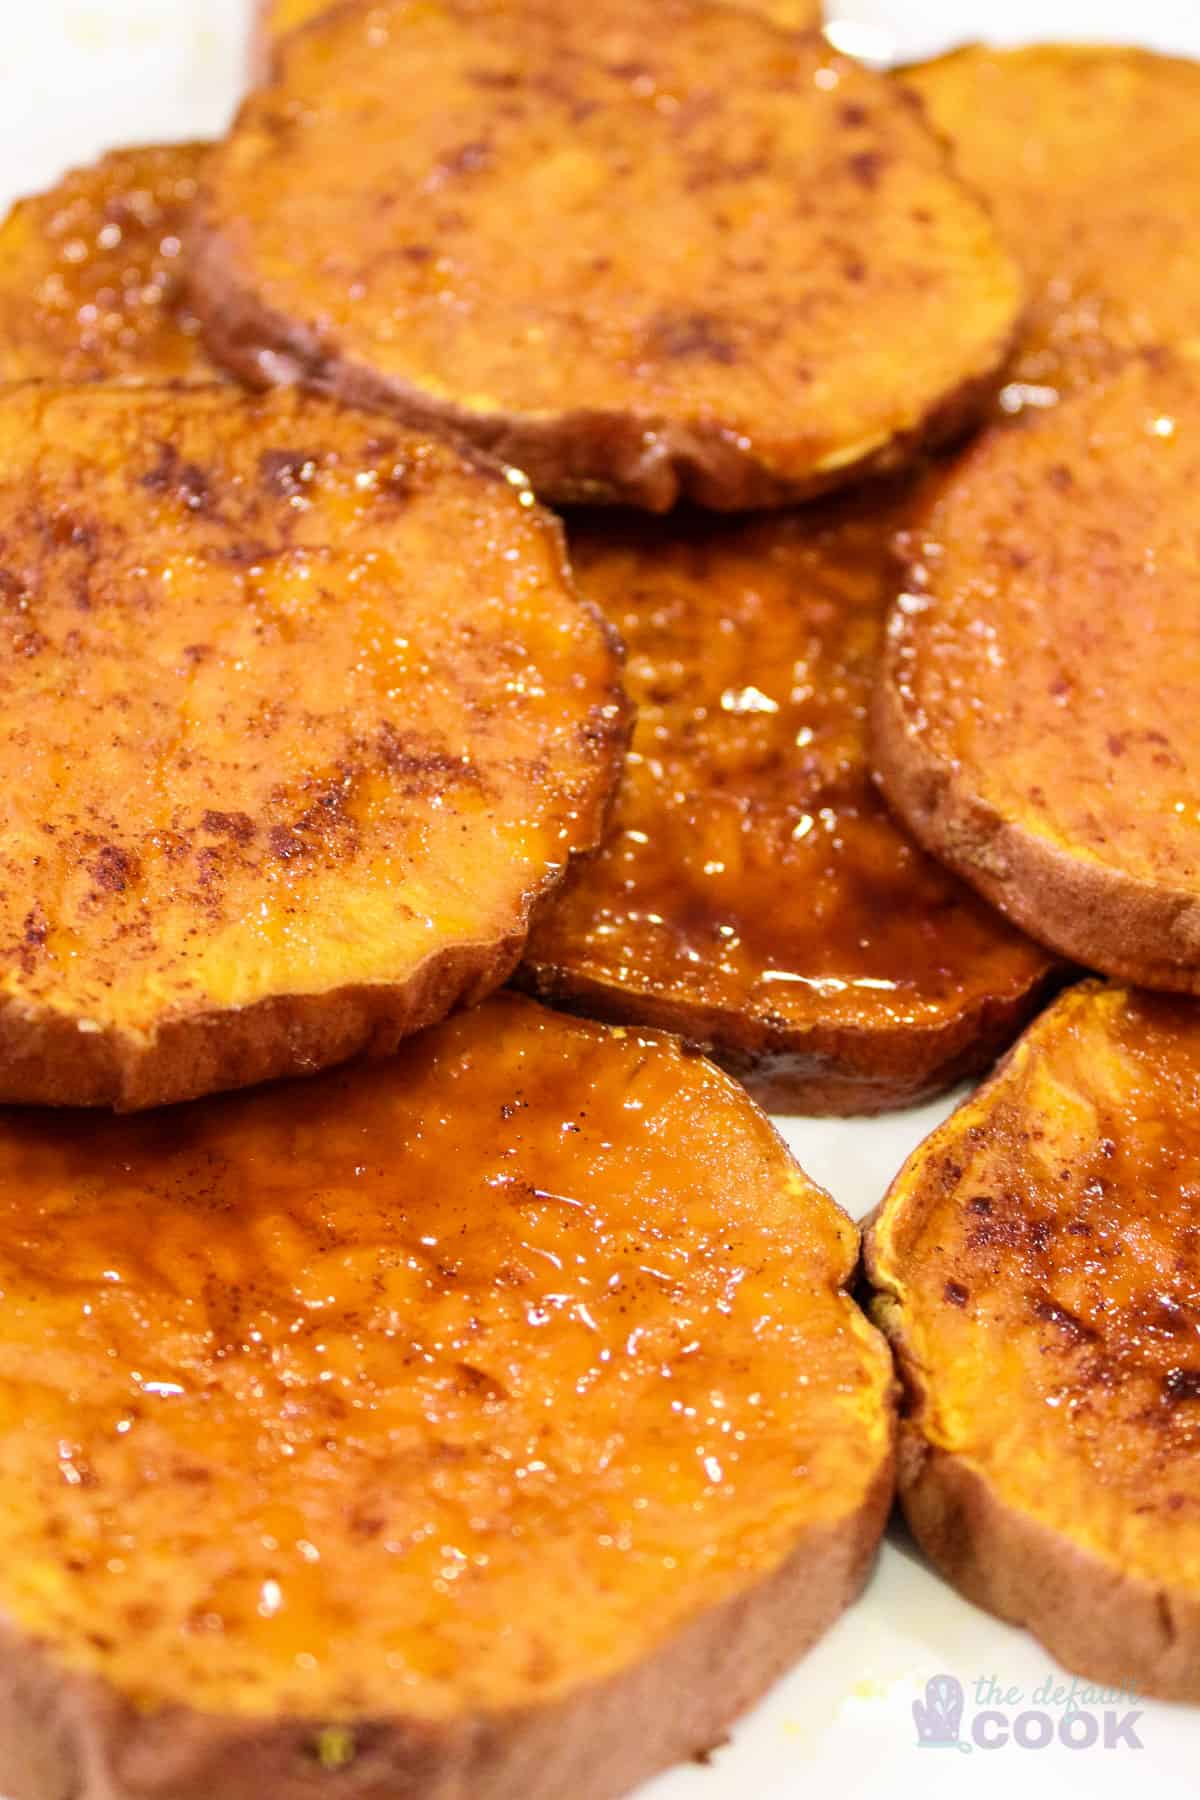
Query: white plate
point(78, 76)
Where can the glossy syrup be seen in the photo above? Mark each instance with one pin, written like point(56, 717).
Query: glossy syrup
point(296, 1388)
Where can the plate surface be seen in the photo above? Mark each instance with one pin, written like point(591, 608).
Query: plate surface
point(79, 76)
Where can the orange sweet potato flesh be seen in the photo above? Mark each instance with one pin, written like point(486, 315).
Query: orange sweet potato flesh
point(1036, 721)
point(1090, 160)
point(1037, 1270)
point(92, 273)
point(637, 249)
point(792, 15)
point(755, 894)
point(299, 713)
point(282, 16)
point(487, 1421)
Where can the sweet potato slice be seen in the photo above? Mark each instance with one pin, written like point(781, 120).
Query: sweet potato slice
point(91, 273)
point(1038, 1274)
point(637, 248)
point(278, 17)
point(792, 15)
point(275, 18)
point(487, 1422)
point(1036, 715)
point(1090, 160)
point(755, 894)
point(299, 712)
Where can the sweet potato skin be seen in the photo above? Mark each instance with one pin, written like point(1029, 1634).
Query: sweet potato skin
point(1103, 1572)
point(1033, 719)
point(237, 932)
point(624, 391)
point(754, 894)
point(64, 1738)
point(503, 1134)
point(1116, 1629)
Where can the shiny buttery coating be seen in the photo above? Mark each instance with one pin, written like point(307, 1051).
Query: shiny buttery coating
point(92, 273)
point(754, 892)
point(295, 1387)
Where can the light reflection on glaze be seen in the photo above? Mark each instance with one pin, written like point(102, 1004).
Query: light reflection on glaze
point(92, 273)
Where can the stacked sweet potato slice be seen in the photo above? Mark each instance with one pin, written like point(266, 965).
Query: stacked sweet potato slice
point(1036, 1261)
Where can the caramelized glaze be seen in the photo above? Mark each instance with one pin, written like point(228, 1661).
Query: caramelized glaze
point(451, 1382)
point(1038, 721)
point(754, 892)
point(800, 286)
point(1090, 159)
point(1039, 1261)
point(295, 702)
point(92, 273)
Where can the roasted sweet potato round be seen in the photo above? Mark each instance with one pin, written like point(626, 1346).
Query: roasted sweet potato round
point(755, 894)
point(487, 1422)
point(637, 248)
point(793, 15)
point(1090, 160)
point(275, 18)
point(271, 22)
point(91, 273)
point(299, 712)
point(1036, 719)
point(1038, 1273)
point(278, 17)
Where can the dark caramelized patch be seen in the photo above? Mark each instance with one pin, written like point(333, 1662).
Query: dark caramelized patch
point(754, 893)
